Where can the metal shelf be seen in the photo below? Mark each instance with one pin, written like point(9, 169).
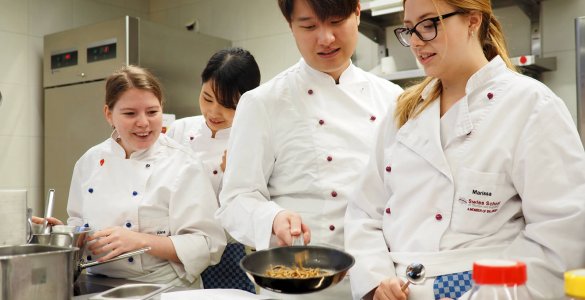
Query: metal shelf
point(533, 64)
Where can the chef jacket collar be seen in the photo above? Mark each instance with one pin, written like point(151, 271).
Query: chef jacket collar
point(485, 74)
point(118, 150)
point(221, 134)
point(491, 70)
point(348, 76)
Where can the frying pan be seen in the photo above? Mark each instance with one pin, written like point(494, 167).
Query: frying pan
point(336, 263)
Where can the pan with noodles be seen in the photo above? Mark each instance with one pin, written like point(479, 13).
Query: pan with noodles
point(297, 269)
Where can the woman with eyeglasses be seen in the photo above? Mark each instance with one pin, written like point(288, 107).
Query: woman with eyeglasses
point(481, 162)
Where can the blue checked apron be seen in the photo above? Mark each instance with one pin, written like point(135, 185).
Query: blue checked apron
point(448, 272)
point(452, 285)
point(227, 273)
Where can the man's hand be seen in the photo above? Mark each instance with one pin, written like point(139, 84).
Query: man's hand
point(288, 224)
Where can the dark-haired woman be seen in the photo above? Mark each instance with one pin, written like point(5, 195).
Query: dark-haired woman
point(229, 74)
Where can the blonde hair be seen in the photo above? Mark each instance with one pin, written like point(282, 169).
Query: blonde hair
point(490, 34)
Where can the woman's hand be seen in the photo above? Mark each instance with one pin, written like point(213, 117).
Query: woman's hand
point(390, 289)
point(288, 224)
point(52, 221)
point(114, 241)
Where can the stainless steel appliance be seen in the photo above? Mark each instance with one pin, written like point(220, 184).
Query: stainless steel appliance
point(33, 271)
point(76, 63)
point(580, 64)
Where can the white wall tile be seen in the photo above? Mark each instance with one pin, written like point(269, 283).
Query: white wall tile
point(45, 17)
point(13, 16)
point(516, 27)
point(563, 80)
point(14, 161)
point(35, 87)
point(15, 112)
point(35, 155)
point(158, 5)
point(35, 200)
point(88, 12)
point(13, 58)
point(168, 17)
point(221, 18)
point(259, 13)
point(559, 24)
point(141, 6)
point(273, 54)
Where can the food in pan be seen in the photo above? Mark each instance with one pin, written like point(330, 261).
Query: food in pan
point(280, 271)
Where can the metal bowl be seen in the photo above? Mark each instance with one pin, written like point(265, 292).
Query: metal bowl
point(336, 263)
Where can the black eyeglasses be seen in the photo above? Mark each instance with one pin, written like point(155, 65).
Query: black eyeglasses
point(426, 30)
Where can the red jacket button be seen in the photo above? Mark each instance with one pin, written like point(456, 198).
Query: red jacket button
point(329, 158)
point(334, 194)
point(388, 210)
point(331, 227)
point(321, 122)
point(490, 96)
point(373, 118)
point(310, 92)
point(388, 169)
point(439, 217)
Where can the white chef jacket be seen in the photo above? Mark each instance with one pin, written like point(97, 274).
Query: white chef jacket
point(162, 190)
point(508, 182)
point(194, 133)
point(299, 142)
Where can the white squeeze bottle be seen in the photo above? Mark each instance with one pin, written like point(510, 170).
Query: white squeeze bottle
point(499, 279)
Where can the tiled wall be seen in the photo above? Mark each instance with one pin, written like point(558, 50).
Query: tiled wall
point(23, 23)
point(256, 25)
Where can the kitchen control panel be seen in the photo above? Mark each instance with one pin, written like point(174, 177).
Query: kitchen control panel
point(101, 52)
point(64, 59)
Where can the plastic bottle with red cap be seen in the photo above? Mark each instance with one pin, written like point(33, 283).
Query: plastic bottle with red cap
point(575, 284)
point(499, 279)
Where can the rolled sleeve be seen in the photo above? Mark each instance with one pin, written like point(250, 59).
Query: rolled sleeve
point(199, 240)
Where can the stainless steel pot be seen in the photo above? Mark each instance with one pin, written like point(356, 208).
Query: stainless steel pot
point(36, 271)
point(75, 237)
point(335, 262)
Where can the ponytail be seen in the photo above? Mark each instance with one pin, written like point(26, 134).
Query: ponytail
point(493, 42)
point(410, 104)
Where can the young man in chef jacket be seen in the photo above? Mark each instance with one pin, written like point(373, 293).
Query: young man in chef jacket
point(300, 141)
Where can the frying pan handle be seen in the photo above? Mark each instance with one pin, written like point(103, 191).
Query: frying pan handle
point(298, 240)
point(121, 256)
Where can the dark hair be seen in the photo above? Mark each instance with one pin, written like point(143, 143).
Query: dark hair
point(233, 72)
point(324, 9)
point(131, 77)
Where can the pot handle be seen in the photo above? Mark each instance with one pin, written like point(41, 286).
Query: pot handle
point(121, 256)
